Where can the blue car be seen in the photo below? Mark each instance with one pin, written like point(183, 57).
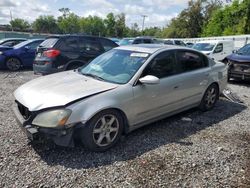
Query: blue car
point(239, 64)
point(21, 55)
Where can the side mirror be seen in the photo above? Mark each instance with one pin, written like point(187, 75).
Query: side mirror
point(27, 47)
point(234, 51)
point(149, 79)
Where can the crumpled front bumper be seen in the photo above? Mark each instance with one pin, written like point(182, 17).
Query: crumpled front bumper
point(61, 137)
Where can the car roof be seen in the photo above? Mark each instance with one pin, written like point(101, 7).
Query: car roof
point(149, 48)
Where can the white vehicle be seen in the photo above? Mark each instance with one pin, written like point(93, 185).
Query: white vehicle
point(216, 49)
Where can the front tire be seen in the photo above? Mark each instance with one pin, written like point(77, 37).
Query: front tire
point(13, 64)
point(210, 98)
point(103, 131)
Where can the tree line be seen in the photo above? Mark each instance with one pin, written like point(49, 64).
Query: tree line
point(200, 19)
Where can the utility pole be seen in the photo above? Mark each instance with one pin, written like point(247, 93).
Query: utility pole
point(143, 20)
point(11, 20)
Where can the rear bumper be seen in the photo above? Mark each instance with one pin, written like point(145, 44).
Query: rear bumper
point(61, 137)
point(44, 69)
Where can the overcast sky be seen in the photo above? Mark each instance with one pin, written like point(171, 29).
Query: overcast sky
point(159, 12)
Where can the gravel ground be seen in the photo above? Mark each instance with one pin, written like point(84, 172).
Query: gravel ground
point(192, 149)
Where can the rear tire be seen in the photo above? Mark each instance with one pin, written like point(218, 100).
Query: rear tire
point(103, 131)
point(210, 98)
point(13, 64)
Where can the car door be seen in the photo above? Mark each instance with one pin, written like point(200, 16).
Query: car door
point(194, 71)
point(218, 53)
point(151, 101)
point(89, 48)
point(28, 53)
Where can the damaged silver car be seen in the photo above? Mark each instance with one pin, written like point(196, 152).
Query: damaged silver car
point(119, 91)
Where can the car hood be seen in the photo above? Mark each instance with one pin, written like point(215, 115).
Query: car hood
point(206, 52)
point(59, 89)
point(239, 58)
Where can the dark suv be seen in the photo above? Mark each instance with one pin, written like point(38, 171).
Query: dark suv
point(67, 52)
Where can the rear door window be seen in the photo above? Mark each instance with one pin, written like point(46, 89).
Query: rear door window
point(189, 60)
point(90, 45)
point(69, 44)
point(107, 44)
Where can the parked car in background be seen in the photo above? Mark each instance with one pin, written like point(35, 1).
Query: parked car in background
point(21, 55)
point(67, 52)
point(189, 44)
point(116, 40)
point(144, 40)
point(174, 42)
point(119, 91)
point(11, 41)
point(126, 41)
point(216, 49)
point(239, 64)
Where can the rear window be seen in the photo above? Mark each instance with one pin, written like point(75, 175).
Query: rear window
point(49, 43)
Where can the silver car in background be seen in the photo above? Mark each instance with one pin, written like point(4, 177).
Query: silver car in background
point(119, 91)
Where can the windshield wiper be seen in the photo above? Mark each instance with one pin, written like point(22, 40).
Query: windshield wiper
point(94, 76)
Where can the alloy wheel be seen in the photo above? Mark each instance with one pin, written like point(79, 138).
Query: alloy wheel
point(13, 64)
point(106, 130)
point(211, 97)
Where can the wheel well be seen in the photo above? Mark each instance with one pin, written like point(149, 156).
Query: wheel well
point(74, 63)
point(125, 120)
point(217, 85)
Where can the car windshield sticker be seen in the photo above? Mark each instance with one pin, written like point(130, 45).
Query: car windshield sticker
point(138, 55)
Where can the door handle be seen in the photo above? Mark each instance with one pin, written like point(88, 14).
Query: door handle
point(176, 87)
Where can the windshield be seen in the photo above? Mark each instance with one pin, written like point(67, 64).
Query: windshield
point(244, 50)
point(126, 41)
point(204, 46)
point(116, 66)
point(21, 44)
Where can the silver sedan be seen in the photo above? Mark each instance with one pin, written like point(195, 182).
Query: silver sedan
point(119, 91)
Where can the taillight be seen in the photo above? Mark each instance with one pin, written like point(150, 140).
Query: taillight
point(51, 53)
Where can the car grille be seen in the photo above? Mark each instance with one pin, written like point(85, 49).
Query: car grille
point(24, 111)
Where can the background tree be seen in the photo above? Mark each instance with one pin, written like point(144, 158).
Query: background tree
point(230, 20)
point(46, 24)
point(120, 25)
point(19, 24)
point(93, 25)
point(110, 23)
point(69, 24)
point(190, 22)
